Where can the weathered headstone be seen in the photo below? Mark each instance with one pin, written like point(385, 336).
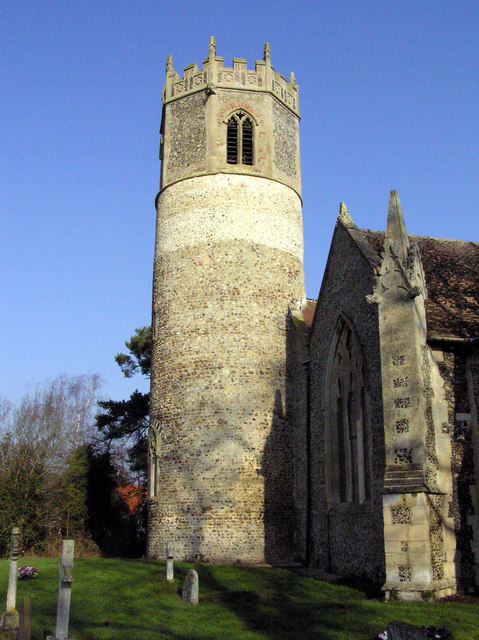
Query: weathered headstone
point(64, 590)
point(10, 617)
point(25, 625)
point(404, 631)
point(169, 561)
point(190, 587)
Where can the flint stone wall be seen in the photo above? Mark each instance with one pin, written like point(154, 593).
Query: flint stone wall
point(462, 504)
point(194, 137)
point(284, 140)
point(296, 407)
point(187, 135)
point(228, 264)
point(354, 532)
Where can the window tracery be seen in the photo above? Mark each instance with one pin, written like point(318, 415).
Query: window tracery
point(347, 460)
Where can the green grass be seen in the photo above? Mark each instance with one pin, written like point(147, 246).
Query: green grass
point(130, 599)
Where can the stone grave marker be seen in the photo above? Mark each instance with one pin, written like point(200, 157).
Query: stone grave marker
point(169, 561)
point(10, 618)
point(25, 625)
point(190, 587)
point(64, 591)
point(404, 631)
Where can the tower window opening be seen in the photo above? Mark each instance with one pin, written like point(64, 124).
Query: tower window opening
point(247, 155)
point(232, 142)
point(239, 139)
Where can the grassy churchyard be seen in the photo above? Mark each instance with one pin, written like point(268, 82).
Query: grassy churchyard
point(131, 599)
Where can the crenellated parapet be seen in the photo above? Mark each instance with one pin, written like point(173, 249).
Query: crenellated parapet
point(214, 75)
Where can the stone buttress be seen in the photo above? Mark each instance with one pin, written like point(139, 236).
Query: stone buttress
point(228, 265)
point(418, 530)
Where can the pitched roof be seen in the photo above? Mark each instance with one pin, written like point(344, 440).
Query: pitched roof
point(133, 495)
point(451, 269)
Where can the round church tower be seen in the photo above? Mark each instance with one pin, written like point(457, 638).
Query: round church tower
point(228, 265)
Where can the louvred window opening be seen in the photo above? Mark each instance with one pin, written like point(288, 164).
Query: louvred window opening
point(239, 139)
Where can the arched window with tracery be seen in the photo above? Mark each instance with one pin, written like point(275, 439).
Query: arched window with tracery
point(347, 421)
point(240, 139)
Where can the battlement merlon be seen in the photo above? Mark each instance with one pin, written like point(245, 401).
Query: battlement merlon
point(214, 75)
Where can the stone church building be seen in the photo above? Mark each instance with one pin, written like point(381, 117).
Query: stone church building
point(340, 433)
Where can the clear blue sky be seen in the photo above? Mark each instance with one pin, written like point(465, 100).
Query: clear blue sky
point(389, 98)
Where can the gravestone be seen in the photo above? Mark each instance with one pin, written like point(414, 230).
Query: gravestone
point(9, 622)
point(404, 631)
point(64, 591)
point(25, 625)
point(190, 587)
point(169, 561)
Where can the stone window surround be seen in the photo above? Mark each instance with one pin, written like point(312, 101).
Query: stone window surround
point(346, 390)
point(241, 115)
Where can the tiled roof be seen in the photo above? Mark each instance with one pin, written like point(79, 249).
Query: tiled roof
point(451, 269)
point(132, 495)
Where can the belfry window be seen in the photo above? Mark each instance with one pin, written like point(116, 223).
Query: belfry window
point(239, 139)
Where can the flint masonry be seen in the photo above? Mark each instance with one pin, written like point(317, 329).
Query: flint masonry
point(341, 433)
point(228, 266)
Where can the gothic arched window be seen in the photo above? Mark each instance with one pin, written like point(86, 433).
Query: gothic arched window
point(240, 139)
point(347, 428)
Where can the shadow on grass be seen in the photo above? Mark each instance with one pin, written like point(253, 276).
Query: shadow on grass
point(370, 589)
point(131, 599)
point(286, 606)
point(124, 631)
